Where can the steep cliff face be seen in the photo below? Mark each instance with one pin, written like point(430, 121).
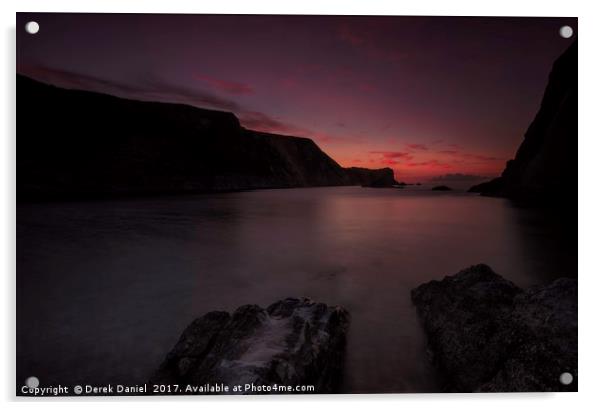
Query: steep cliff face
point(546, 161)
point(77, 143)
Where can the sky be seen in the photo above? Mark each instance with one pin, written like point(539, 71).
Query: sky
point(425, 96)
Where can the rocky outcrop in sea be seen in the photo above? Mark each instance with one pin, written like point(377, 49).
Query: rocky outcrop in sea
point(373, 178)
point(293, 342)
point(488, 335)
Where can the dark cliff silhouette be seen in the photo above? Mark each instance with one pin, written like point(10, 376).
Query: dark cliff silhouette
point(77, 144)
point(545, 166)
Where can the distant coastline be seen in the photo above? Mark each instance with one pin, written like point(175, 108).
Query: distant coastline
point(79, 144)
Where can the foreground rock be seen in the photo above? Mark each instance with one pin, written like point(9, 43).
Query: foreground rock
point(486, 334)
point(292, 342)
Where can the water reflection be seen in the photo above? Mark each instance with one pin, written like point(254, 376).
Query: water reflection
point(105, 288)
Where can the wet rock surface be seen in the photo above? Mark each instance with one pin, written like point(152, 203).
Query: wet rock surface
point(486, 334)
point(292, 342)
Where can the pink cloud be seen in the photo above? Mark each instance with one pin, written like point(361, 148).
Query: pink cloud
point(230, 87)
point(389, 162)
point(393, 154)
point(429, 164)
point(393, 157)
point(417, 147)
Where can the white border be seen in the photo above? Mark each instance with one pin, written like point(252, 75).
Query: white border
point(590, 150)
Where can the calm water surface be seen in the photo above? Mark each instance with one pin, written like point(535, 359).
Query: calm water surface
point(105, 288)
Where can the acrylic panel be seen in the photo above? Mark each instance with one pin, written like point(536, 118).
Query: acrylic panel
point(289, 204)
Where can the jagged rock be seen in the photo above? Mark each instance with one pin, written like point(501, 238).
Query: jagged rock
point(441, 188)
point(75, 144)
point(547, 158)
point(486, 334)
point(292, 342)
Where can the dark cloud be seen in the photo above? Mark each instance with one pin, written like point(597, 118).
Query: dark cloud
point(347, 35)
point(147, 87)
point(261, 122)
point(470, 156)
point(369, 42)
point(394, 154)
